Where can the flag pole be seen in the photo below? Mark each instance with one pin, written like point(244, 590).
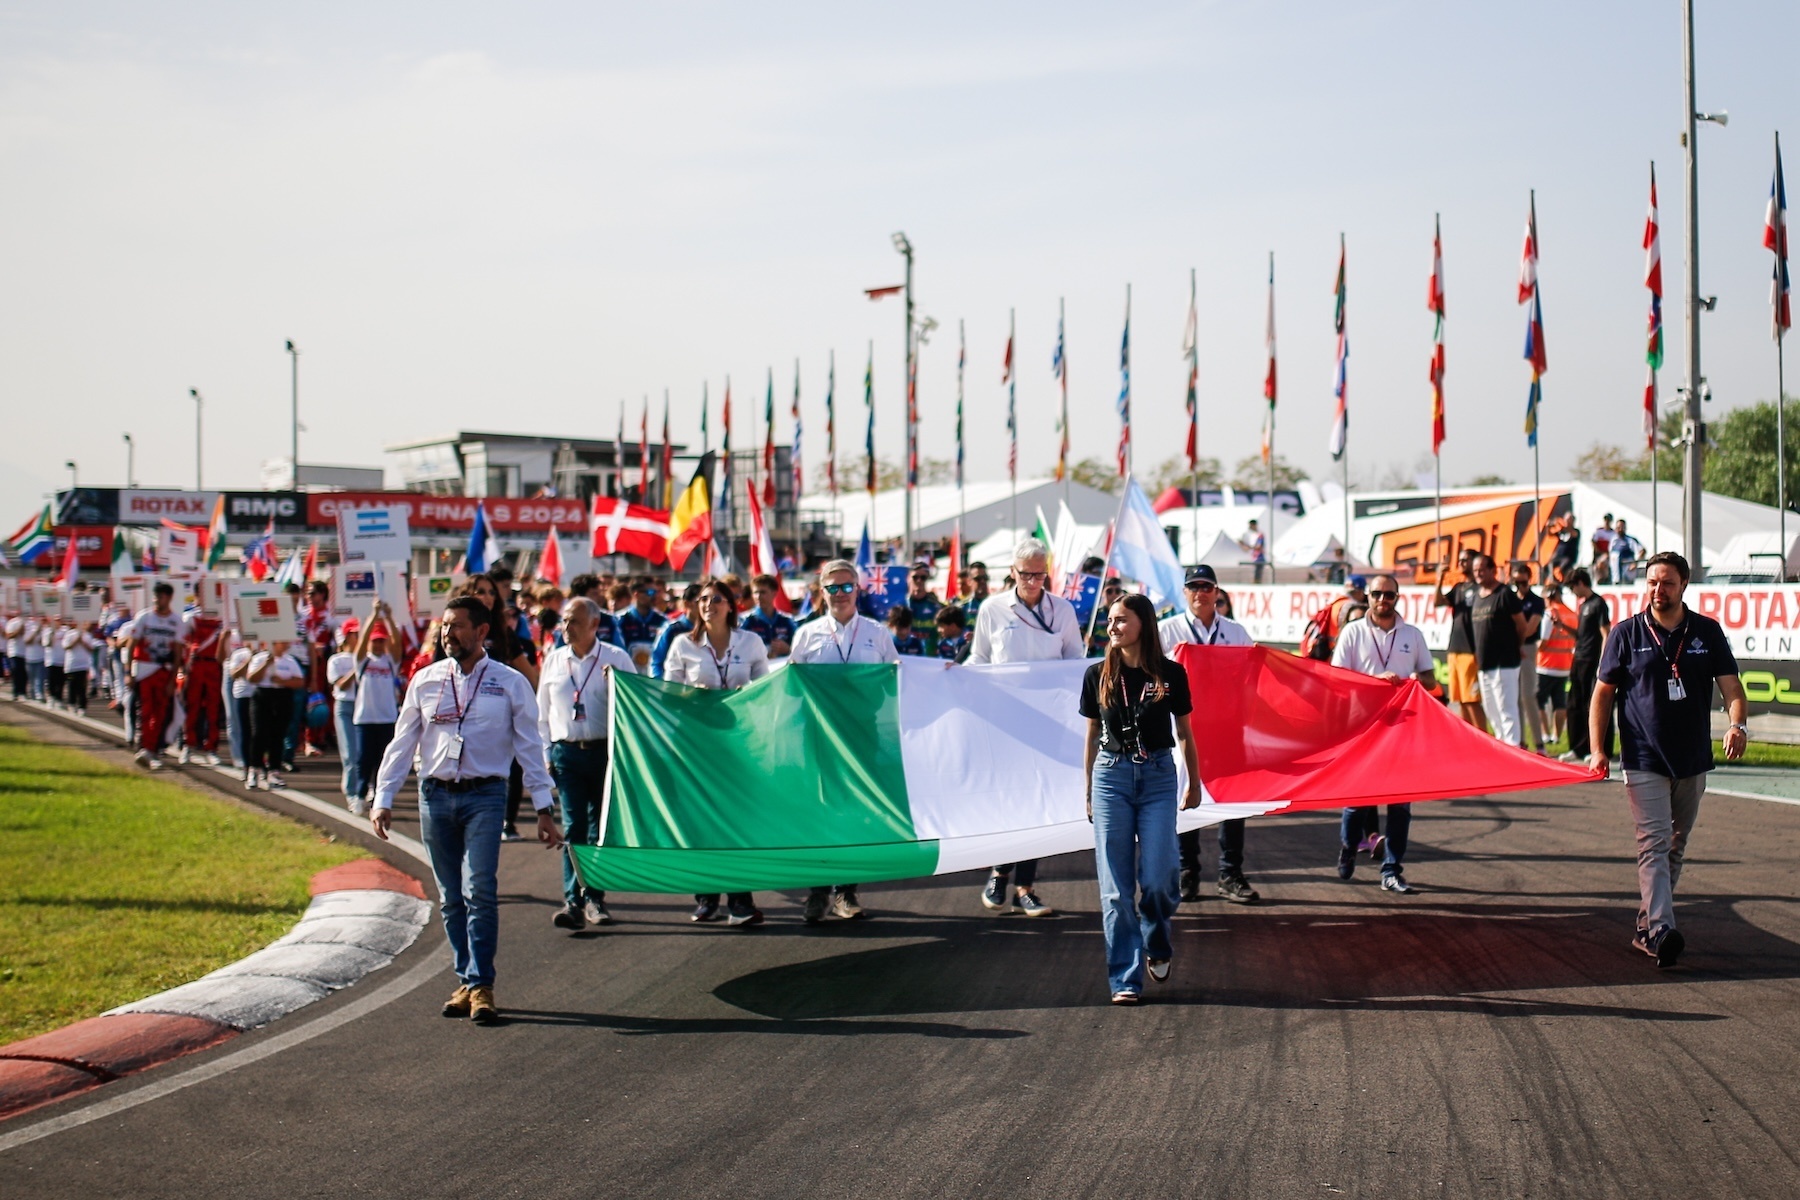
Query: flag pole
point(1112, 538)
point(1193, 419)
point(1269, 542)
point(1781, 453)
point(962, 494)
point(1012, 416)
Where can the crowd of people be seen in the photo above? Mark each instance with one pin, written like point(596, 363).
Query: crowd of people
point(505, 696)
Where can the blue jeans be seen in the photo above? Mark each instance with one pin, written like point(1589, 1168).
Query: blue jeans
point(36, 672)
point(239, 728)
point(580, 776)
point(1399, 821)
point(1135, 855)
point(343, 715)
point(462, 832)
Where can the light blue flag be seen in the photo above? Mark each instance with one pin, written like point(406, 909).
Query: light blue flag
point(1141, 549)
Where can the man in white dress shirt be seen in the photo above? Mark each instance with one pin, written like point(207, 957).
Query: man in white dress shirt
point(573, 692)
point(1203, 625)
point(1386, 647)
point(469, 717)
point(842, 635)
point(1027, 624)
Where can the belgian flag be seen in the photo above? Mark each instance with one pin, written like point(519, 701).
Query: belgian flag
point(691, 520)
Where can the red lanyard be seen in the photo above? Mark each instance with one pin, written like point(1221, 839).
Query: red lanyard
point(1679, 637)
point(462, 713)
point(586, 677)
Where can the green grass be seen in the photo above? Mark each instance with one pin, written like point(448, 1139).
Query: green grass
point(114, 885)
point(1757, 754)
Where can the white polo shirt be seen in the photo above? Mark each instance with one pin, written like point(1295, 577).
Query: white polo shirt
point(860, 640)
point(562, 677)
point(1186, 627)
point(1008, 630)
point(695, 664)
point(1366, 647)
point(472, 725)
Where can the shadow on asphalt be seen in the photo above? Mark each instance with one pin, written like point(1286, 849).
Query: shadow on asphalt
point(826, 1028)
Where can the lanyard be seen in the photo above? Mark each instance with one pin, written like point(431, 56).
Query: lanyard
point(462, 712)
point(1375, 640)
point(837, 644)
point(1218, 631)
point(719, 663)
point(586, 677)
point(1678, 638)
point(1032, 611)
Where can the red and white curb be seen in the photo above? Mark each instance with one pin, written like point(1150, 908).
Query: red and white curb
point(362, 915)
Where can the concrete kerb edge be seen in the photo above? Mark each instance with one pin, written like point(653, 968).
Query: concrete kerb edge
point(362, 916)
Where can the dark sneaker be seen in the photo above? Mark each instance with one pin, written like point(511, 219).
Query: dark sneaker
point(1125, 998)
point(745, 916)
point(458, 1003)
point(1668, 944)
point(1190, 886)
point(1158, 968)
point(993, 896)
point(569, 917)
point(814, 912)
point(1346, 861)
point(481, 1006)
point(1031, 906)
point(1237, 889)
point(596, 913)
point(1641, 941)
point(706, 910)
point(845, 907)
point(510, 834)
point(1393, 881)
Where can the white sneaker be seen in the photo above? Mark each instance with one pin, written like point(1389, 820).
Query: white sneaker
point(154, 763)
point(141, 758)
point(250, 781)
point(211, 760)
point(181, 756)
point(358, 806)
point(273, 780)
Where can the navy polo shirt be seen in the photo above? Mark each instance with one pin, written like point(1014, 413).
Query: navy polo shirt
point(777, 625)
point(1672, 738)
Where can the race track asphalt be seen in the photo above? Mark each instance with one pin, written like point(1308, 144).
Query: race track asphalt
point(1494, 1035)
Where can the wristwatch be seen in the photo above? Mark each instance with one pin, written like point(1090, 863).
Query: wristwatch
point(1739, 725)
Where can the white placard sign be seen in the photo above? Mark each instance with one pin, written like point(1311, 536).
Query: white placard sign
point(9, 596)
point(178, 549)
point(430, 593)
point(83, 608)
point(264, 613)
point(375, 535)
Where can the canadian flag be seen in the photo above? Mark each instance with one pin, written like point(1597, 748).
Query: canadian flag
point(619, 527)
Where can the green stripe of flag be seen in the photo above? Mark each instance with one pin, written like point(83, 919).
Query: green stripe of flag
point(794, 779)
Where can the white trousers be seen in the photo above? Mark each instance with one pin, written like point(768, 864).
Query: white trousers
point(1500, 700)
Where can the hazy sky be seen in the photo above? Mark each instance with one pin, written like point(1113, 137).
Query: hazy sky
point(514, 218)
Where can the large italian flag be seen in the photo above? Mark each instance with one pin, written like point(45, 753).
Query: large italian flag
point(833, 774)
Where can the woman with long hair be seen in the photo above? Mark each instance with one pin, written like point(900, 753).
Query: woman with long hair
point(1137, 704)
point(717, 654)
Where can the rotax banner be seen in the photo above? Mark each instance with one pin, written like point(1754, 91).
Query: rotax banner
point(1762, 622)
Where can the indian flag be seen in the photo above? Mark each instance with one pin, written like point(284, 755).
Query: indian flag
point(833, 773)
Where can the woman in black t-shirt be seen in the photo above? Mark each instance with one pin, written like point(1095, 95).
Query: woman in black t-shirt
point(1137, 705)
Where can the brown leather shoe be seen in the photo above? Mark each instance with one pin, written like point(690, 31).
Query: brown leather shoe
point(458, 1003)
point(481, 1006)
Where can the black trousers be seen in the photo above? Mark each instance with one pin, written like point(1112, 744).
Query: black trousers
point(77, 684)
point(19, 676)
point(270, 711)
point(55, 682)
point(1231, 848)
point(1582, 676)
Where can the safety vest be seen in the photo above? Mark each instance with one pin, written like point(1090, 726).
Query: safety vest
point(1556, 645)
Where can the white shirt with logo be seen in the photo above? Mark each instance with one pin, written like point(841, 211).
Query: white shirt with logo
point(377, 691)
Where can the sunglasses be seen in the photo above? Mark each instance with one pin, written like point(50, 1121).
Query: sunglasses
point(839, 589)
point(1384, 595)
point(1033, 575)
point(1201, 585)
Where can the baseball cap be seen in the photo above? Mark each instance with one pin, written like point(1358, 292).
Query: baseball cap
point(1202, 572)
point(1356, 581)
